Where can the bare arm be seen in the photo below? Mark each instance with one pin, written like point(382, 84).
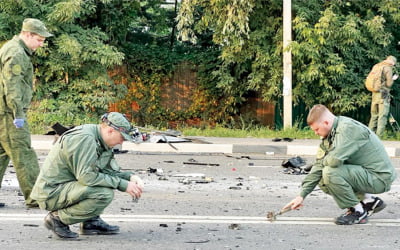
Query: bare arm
point(296, 203)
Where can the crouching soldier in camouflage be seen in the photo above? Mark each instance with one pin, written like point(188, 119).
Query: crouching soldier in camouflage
point(78, 177)
point(352, 164)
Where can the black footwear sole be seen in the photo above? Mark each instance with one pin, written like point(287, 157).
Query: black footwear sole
point(377, 209)
point(97, 232)
point(362, 221)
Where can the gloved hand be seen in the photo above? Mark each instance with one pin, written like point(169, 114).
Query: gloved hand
point(136, 179)
point(19, 123)
point(395, 76)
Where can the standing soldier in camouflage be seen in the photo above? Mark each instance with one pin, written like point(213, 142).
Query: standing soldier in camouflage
point(380, 104)
point(352, 165)
point(79, 176)
point(16, 87)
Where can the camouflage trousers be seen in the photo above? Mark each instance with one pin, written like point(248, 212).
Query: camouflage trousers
point(15, 144)
point(77, 203)
point(348, 184)
point(379, 113)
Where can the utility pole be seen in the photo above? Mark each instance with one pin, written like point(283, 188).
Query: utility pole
point(287, 64)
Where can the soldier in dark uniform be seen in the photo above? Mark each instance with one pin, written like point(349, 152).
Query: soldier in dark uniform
point(16, 87)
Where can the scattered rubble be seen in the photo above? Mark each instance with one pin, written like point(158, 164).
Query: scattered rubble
point(296, 165)
point(271, 216)
point(197, 241)
point(200, 163)
point(234, 226)
point(31, 225)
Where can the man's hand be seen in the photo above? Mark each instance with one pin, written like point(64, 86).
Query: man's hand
point(296, 203)
point(136, 179)
point(19, 123)
point(395, 76)
point(134, 190)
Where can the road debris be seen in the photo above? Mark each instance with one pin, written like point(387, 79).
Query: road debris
point(178, 227)
point(202, 180)
point(200, 163)
point(197, 241)
point(31, 225)
point(157, 171)
point(271, 216)
point(296, 165)
point(198, 175)
point(234, 226)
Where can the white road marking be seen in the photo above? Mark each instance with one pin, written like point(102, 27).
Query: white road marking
point(208, 219)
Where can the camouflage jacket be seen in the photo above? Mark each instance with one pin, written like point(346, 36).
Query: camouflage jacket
point(16, 78)
point(350, 143)
point(79, 155)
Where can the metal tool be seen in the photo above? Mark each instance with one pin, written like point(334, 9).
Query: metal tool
point(271, 216)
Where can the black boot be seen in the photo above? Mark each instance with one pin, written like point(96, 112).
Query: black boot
point(53, 223)
point(96, 225)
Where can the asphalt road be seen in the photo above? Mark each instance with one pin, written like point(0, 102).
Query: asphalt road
point(206, 201)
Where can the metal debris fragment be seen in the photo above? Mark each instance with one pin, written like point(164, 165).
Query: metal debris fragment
point(31, 225)
point(296, 165)
point(234, 226)
point(197, 241)
point(200, 163)
point(271, 216)
point(196, 180)
point(157, 171)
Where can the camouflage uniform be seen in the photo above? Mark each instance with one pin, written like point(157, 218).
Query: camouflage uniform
point(79, 176)
point(380, 104)
point(351, 161)
point(16, 87)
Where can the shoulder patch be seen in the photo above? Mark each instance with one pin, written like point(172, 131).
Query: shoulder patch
point(16, 69)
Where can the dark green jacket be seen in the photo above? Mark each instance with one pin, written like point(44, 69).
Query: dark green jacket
point(79, 155)
point(16, 78)
point(350, 143)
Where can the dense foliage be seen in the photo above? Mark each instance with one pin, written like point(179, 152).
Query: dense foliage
point(72, 83)
point(335, 43)
point(119, 51)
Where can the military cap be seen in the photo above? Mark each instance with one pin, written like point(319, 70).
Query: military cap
point(35, 26)
point(120, 123)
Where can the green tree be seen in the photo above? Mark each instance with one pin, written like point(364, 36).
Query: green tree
point(335, 43)
point(73, 68)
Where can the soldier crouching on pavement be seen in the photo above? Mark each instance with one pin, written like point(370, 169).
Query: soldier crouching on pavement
point(78, 177)
point(352, 164)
